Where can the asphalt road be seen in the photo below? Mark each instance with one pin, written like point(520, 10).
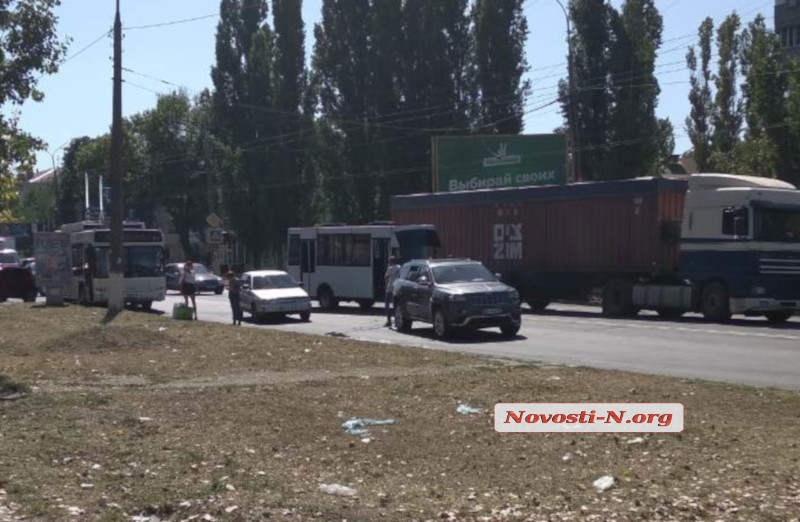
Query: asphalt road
point(744, 351)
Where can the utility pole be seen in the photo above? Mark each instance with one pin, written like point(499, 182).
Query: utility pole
point(116, 280)
point(573, 103)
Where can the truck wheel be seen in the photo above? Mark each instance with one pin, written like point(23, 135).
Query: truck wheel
point(714, 303)
point(670, 313)
point(440, 327)
point(326, 299)
point(617, 300)
point(401, 320)
point(538, 305)
point(780, 316)
point(254, 314)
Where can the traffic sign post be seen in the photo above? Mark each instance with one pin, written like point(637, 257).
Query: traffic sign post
point(214, 236)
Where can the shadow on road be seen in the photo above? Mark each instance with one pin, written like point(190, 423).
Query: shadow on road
point(464, 336)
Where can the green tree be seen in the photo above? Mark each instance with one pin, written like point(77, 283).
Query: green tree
point(764, 90)
point(792, 122)
point(243, 101)
point(436, 70)
point(634, 90)
point(665, 144)
point(727, 117)
point(29, 47)
point(590, 41)
point(699, 123)
point(173, 177)
point(289, 87)
point(499, 32)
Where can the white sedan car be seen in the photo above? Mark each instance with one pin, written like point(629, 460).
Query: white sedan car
point(273, 292)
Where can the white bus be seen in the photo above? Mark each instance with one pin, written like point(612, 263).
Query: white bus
point(145, 281)
point(338, 262)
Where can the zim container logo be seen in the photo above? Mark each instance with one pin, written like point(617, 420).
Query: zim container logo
point(508, 241)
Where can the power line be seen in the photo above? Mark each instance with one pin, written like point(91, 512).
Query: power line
point(173, 22)
point(87, 46)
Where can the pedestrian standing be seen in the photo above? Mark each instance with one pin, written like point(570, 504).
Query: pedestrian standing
point(389, 278)
point(234, 293)
point(187, 284)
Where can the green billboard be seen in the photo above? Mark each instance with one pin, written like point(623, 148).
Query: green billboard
point(496, 161)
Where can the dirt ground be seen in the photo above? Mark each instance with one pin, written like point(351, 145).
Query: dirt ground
point(151, 419)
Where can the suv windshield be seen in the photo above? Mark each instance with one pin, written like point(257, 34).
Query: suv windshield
point(466, 273)
point(274, 281)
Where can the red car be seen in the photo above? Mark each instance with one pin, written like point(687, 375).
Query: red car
point(17, 282)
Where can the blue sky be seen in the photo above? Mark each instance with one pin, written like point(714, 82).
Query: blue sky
point(78, 98)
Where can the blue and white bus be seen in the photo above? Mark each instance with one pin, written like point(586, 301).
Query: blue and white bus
point(338, 262)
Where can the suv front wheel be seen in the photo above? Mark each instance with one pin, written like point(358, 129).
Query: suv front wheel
point(440, 327)
point(509, 330)
point(401, 319)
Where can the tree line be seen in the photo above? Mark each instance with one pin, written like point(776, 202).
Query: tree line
point(276, 141)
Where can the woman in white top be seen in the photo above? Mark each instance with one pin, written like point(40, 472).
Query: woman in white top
point(187, 284)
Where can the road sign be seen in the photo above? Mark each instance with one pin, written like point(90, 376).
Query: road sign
point(213, 220)
point(214, 236)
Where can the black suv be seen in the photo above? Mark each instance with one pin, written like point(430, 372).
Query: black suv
point(454, 293)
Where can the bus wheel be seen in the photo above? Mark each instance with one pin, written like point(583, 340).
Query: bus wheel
point(326, 299)
point(779, 316)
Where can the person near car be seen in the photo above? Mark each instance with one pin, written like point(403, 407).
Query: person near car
point(234, 294)
point(187, 284)
point(391, 274)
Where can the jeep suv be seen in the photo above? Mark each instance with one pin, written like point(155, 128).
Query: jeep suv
point(454, 293)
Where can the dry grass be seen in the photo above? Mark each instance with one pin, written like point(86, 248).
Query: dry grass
point(177, 447)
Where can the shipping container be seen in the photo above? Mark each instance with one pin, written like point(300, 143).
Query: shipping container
point(559, 241)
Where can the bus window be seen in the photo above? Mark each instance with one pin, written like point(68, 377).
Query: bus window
point(144, 261)
point(294, 250)
point(101, 262)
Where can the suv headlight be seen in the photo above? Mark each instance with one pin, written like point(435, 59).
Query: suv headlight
point(458, 298)
point(514, 296)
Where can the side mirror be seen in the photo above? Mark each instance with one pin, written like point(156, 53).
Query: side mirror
point(740, 226)
point(498, 276)
point(245, 287)
point(423, 281)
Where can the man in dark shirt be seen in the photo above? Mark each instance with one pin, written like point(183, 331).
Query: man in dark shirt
point(234, 291)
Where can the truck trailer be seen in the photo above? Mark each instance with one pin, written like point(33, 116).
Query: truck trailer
point(718, 244)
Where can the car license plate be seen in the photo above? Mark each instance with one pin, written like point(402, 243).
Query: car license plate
point(492, 311)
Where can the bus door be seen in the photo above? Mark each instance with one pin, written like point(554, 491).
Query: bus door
point(380, 261)
point(308, 262)
point(88, 273)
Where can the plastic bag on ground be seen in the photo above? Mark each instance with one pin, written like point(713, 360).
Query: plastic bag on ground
point(359, 426)
point(465, 409)
point(337, 489)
